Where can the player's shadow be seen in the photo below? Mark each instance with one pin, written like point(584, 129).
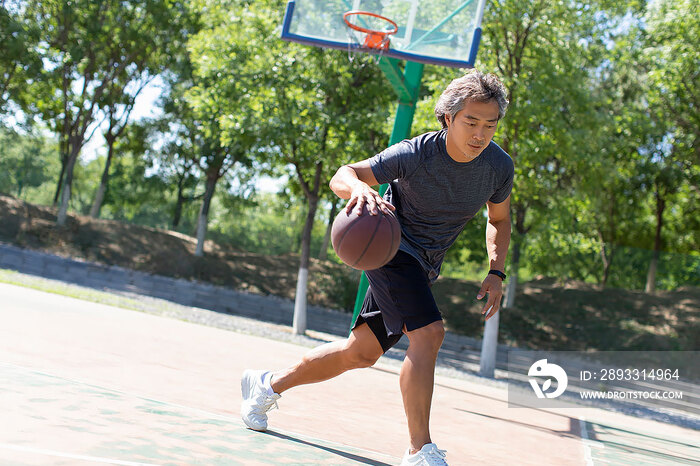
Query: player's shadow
point(573, 432)
point(358, 458)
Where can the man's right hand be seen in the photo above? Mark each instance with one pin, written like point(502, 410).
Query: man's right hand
point(363, 194)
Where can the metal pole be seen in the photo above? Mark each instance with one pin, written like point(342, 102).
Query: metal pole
point(413, 73)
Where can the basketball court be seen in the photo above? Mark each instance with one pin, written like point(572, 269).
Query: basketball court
point(84, 383)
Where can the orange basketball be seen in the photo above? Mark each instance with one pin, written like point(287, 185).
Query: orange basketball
point(365, 242)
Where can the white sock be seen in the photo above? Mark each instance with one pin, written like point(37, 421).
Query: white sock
point(266, 382)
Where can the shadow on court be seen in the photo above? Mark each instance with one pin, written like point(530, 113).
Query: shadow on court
point(573, 432)
point(335, 451)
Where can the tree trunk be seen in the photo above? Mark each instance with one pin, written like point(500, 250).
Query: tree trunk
point(67, 185)
point(607, 258)
point(517, 242)
point(323, 253)
point(299, 324)
point(59, 183)
point(100, 194)
point(65, 193)
point(650, 287)
point(203, 219)
point(178, 204)
point(651, 275)
point(299, 321)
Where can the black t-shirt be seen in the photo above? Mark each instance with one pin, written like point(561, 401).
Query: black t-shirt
point(435, 196)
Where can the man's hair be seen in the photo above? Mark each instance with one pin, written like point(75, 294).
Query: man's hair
point(475, 87)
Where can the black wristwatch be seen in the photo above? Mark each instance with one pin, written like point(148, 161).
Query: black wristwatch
point(498, 273)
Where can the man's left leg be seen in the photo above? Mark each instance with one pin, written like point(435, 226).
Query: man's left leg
point(417, 378)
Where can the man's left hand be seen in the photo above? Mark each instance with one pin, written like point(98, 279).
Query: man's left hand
point(492, 285)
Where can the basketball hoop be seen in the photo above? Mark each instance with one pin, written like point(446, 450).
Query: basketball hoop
point(377, 40)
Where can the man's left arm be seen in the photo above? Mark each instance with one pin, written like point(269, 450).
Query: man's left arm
point(497, 242)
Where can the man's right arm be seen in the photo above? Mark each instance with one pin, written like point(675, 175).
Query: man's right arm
point(354, 182)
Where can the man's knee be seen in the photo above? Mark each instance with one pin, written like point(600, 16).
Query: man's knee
point(359, 355)
point(430, 336)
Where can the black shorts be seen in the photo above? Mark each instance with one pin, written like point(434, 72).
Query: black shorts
point(398, 295)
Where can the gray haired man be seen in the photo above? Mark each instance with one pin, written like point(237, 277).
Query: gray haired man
point(438, 181)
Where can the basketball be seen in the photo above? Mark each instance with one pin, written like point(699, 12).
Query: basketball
point(365, 242)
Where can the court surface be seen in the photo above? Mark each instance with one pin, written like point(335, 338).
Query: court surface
point(84, 383)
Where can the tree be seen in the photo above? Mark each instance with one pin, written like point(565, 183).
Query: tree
point(19, 60)
point(332, 213)
point(672, 56)
point(117, 111)
point(545, 52)
point(224, 93)
point(644, 155)
point(87, 48)
point(295, 105)
point(327, 112)
point(166, 54)
point(24, 161)
point(137, 192)
point(177, 153)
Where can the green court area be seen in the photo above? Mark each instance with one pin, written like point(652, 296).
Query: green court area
point(618, 444)
point(54, 420)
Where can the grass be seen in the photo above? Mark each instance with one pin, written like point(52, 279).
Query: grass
point(46, 285)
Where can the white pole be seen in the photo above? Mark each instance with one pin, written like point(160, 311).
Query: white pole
point(489, 346)
point(299, 322)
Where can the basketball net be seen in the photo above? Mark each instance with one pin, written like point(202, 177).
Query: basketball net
point(382, 41)
point(375, 40)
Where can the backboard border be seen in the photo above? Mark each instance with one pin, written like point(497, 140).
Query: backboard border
point(468, 63)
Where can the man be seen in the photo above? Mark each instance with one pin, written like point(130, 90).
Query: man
point(438, 182)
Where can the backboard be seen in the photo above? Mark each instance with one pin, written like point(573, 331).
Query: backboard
point(441, 32)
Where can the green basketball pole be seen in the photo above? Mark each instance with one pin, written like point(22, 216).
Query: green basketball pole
point(406, 83)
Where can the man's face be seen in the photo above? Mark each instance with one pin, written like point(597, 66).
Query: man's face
point(471, 130)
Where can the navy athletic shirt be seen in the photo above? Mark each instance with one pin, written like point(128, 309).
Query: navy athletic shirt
point(435, 196)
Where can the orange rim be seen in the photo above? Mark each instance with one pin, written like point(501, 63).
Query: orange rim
point(372, 32)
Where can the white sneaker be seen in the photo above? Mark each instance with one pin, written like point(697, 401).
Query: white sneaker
point(429, 455)
point(258, 399)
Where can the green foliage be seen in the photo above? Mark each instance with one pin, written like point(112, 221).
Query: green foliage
point(19, 59)
point(674, 32)
point(136, 195)
point(265, 223)
point(602, 124)
point(86, 179)
point(26, 162)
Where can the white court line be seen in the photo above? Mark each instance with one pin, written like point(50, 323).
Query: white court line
point(587, 454)
point(60, 454)
point(233, 420)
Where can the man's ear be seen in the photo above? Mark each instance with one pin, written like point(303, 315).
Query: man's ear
point(447, 119)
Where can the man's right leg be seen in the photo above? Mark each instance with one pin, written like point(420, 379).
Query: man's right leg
point(360, 349)
point(261, 390)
